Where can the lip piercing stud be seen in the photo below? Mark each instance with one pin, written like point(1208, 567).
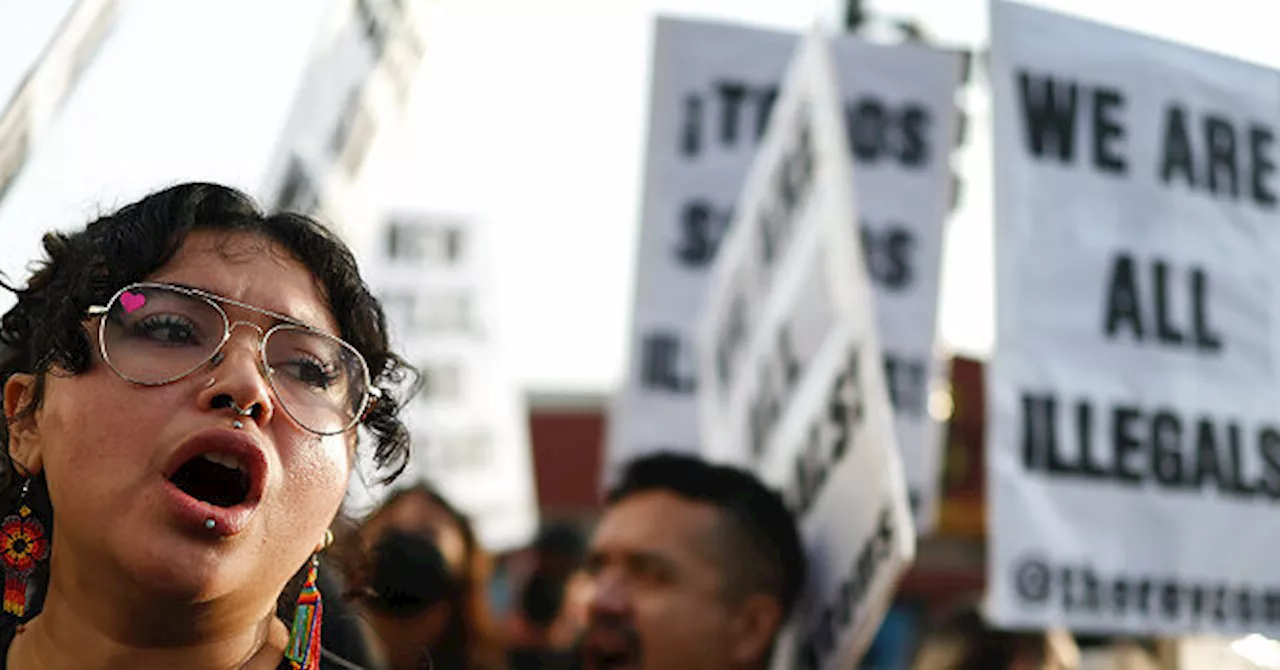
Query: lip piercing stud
point(237, 424)
point(210, 523)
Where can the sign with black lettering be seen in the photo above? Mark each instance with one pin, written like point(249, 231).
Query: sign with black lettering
point(789, 352)
point(714, 90)
point(1134, 442)
point(469, 426)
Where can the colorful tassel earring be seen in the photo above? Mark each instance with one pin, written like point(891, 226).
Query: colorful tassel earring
point(304, 636)
point(22, 544)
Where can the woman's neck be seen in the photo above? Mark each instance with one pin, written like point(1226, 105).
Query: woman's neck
point(71, 634)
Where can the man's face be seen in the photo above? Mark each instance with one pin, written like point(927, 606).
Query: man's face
point(658, 589)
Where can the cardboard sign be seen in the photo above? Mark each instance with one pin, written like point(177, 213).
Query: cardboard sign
point(714, 90)
point(1134, 444)
point(789, 353)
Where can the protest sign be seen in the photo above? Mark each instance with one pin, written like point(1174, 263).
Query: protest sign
point(788, 352)
point(714, 88)
point(1134, 445)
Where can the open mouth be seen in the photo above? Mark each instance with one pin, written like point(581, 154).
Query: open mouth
point(611, 660)
point(218, 479)
point(611, 647)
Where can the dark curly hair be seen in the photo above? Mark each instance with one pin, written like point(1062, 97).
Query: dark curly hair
point(44, 330)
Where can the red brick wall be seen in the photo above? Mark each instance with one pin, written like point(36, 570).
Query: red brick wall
point(567, 445)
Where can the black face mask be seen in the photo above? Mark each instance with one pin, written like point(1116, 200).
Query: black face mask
point(409, 575)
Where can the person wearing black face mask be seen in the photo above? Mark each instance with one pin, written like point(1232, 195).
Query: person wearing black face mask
point(424, 585)
point(410, 598)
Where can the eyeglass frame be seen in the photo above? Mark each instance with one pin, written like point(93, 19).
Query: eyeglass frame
point(371, 395)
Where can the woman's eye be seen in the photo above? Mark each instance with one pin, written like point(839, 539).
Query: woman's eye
point(310, 372)
point(169, 330)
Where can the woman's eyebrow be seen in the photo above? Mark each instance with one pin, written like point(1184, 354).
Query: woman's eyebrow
point(278, 317)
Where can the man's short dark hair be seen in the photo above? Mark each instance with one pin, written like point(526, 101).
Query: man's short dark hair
point(760, 533)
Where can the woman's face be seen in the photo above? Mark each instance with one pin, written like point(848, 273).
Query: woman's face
point(417, 514)
point(108, 449)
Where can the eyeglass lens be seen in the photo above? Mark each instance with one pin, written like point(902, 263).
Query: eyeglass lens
point(155, 335)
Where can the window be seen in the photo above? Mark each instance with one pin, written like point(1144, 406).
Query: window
point(427, 244)
point(359, 142)
point(342, 131)
point(446, 313)
point(370, 14)
point(298, 194)
point(415, 313)
point(441, 382)
point(463, 450)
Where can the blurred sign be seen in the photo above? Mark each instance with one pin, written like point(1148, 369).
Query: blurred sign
point(1134, 451)
point(789, 357)
point(714, 90)
point(469, 423)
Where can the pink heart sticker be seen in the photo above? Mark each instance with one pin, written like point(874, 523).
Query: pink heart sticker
point(132, 301)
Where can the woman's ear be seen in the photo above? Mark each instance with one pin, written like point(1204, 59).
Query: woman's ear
point(24, 435)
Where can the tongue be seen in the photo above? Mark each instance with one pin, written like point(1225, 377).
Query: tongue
point(210, 482)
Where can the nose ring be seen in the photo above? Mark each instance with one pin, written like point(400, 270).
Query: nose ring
point(237, 424)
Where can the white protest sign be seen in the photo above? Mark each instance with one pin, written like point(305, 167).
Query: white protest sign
point(1134, 450)
point(789, 351)
point(469, 424)
point(714, 87)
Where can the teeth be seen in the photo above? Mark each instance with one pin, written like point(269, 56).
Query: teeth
point(225, 460)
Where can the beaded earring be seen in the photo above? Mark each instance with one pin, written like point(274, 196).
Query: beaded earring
point(303, 652)
point(23, 543)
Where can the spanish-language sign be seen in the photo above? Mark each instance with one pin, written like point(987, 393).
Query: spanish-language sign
point(789, 357)
point(1134, 450)
point(468, 424)
point(714, 88)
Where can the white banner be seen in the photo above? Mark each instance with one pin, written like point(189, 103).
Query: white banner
point(789, 351)
point(714, 87)
point(469, 425)
point(1134, 451)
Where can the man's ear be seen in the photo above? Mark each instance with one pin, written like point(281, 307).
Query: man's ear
point(24, 435)
point(756, 621)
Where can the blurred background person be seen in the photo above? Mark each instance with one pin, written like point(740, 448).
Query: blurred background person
point(423, 584)
point(965, 641)
point(542, 625)
point(694, 566)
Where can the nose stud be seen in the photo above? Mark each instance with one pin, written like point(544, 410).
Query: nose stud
point(247, 411)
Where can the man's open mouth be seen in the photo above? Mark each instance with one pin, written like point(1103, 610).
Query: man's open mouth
point(610, 647)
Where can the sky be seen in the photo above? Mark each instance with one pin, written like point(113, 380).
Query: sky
point(538, 127)
point(531, 119)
